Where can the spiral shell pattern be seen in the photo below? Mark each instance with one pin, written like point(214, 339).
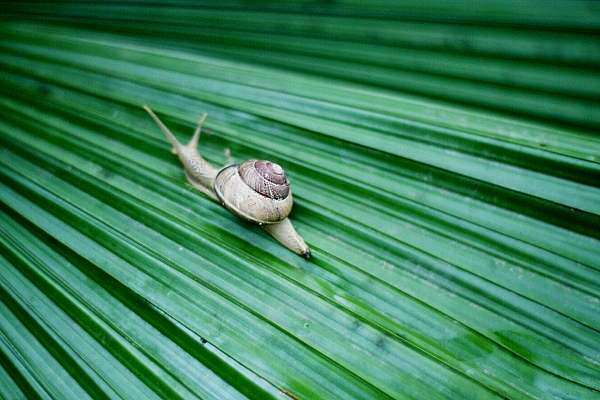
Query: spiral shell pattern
point(266, 178)
point(257, 191)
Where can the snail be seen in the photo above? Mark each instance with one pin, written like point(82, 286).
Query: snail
point(257, 191)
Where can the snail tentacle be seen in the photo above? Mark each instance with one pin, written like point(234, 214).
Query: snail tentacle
point(168, 134)
point(193, 144)
point(199, 172)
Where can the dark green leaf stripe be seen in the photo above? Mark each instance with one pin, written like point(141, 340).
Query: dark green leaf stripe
point(456, 249)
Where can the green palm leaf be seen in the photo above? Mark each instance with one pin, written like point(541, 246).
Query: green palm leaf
point(446, 175)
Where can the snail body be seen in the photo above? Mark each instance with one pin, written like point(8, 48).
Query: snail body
point(257, 191)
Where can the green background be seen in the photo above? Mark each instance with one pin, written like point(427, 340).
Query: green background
point(444, 159)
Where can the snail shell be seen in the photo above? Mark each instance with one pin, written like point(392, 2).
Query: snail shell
point(256, 190)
